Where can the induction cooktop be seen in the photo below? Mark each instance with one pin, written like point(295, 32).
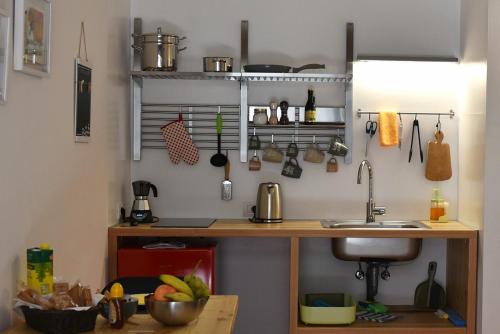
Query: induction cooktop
point(184, 222)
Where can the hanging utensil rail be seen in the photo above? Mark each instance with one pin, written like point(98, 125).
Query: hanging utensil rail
point(199, 120)
point(451, 113)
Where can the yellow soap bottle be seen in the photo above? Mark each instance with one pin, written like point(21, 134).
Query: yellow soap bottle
point(439, 207)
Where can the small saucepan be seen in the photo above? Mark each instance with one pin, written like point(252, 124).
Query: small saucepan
point(264, 68)
point(217, 64)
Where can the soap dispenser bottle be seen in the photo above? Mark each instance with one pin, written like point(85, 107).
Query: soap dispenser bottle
point(439, 207)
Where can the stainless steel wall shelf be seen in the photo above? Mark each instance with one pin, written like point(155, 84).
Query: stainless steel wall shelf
point(147, 118)
point(296, 77)
point(185, 75)
point(237, 76)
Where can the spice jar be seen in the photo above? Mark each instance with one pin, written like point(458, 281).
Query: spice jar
point(260, 116)
point(284, 113)
point(273, 120)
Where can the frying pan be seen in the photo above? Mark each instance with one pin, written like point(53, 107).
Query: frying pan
point(264, 68)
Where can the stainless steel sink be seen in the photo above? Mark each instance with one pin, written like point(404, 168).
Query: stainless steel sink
point(382, 224)
point(375, 249)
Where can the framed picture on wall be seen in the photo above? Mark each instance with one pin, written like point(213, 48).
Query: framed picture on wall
point(32, 29)
point(83, 89)
point(4, 53)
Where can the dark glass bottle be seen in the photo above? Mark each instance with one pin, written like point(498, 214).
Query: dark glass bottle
point(310, 108)
point(284, 120)
point(115, 316)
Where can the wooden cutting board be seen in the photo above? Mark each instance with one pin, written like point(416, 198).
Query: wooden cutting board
point(438, 159)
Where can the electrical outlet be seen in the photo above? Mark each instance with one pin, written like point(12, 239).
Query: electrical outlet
point(247, 209)
point(118, 209)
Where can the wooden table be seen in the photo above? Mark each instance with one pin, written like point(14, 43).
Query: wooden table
point(461, 263)
point(218, 317)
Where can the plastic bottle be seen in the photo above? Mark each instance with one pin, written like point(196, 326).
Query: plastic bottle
point(439, 207)
point(116, 303)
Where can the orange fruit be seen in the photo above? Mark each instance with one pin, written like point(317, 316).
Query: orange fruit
point(161, 291)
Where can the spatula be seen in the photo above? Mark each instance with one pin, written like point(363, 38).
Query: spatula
point(430, 294)
point(227, 185)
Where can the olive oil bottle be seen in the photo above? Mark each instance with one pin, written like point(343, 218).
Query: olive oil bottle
point(310, 108)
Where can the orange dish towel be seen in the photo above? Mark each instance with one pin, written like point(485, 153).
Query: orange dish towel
point(388, 128)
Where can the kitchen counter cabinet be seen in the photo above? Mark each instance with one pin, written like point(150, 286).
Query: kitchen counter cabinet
point(460, 281)
point(218, 316)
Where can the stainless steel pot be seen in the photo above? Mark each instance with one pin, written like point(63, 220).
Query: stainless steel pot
point(217, 64)
point(159, 51)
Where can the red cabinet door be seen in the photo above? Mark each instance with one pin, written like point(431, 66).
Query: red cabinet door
point(179, 262)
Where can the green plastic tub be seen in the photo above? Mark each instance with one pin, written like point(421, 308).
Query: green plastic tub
point(342, 311)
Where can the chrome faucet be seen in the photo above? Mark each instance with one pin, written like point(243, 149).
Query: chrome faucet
point(371, 209)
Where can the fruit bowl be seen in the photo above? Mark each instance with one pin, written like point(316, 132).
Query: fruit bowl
point(175, 313)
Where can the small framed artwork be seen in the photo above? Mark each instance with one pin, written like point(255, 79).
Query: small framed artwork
point(83, 89)
point(4, 53)
point(32, 29)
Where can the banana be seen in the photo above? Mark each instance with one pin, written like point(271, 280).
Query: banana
point(179, 297)
point(196, 284)
point(177, 284)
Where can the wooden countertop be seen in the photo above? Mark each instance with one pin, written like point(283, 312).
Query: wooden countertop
point(218, 316)
point(294, 228)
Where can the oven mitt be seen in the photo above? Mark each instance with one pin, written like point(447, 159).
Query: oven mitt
point(179, 143)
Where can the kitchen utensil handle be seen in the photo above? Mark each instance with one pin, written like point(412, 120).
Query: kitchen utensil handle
point(218, 144)
point(227, 169)
point(309, 67)
point(420, 144)
point(219, 123)
point(432, 275)
point(155, 190)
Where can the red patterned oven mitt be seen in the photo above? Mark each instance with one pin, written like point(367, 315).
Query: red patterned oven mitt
point(179, 143)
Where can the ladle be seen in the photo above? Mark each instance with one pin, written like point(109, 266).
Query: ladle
point(218, 159)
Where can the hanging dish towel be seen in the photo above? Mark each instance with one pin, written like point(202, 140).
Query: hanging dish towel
point(179, 143)
point(388, 128)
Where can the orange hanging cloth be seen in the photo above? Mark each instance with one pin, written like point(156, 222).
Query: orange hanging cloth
point(388, 128)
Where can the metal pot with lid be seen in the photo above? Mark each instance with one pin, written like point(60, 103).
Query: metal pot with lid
point(159, 51)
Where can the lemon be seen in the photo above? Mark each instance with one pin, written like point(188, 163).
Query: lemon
point(116, 291)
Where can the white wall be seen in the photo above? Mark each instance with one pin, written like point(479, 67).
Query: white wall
point(491, 228)
point(294, 33)
point(54, 190)
point(474, 48)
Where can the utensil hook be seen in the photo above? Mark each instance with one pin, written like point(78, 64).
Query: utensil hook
point(415, 116)
point(314, 139)
point(438, 124)
point(400, 119)
point(272, 139)
point(180, 114)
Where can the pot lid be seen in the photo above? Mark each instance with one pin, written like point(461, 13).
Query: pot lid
point(159, 33)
